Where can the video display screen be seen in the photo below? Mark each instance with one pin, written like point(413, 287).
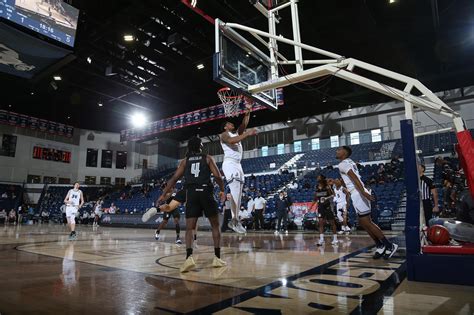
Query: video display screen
point(52, 18)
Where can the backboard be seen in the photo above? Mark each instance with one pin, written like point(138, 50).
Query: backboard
point(238, 64)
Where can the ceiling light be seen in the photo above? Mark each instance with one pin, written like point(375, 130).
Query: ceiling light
point(128, 38)
point(89, 60)
point(289, 120)
point(32, 93)
point(68, 117)
point(57, 78)
point(138, 120)
point(100, 104)
point(324, 100)
point(349, 108)
point(200, 66)
point(194, 3)
point(392, 1)
point(142, 88)
point(9, 106)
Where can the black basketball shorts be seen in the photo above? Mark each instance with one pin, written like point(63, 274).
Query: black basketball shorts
point(200, 200)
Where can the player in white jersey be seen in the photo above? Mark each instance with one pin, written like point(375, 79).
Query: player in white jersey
point(74, 201)
point(341, 199)
point(232, 146)
point(361, 201)
point(97, 213)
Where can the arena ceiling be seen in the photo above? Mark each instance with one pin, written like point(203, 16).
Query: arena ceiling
point(432, 40)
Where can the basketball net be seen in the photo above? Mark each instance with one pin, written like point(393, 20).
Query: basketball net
point(231, 100)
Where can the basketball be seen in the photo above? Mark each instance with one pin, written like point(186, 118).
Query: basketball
point(438, 235)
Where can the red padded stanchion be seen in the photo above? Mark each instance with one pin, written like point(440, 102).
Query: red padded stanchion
point(465, 150)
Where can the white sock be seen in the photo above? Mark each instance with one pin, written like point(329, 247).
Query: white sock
point(334, 236)
point(321, 237)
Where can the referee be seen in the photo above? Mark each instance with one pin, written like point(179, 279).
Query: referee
point(428, 190)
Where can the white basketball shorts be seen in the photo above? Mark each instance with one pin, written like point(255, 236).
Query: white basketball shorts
point(361, 204)
point(233, 171)
point(71, 211)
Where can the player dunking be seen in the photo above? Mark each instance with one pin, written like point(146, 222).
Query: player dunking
point(361, 201)
point(196, 169)
point(232, 146)
point(74, 201)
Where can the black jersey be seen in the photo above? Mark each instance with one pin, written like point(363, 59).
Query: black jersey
point(197, 171)
point(321, 196)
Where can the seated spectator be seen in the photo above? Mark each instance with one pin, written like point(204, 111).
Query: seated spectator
point(12, 216)
point(252, 177)
point(112, 209)
point(85, 218)
point(3, 216)
point(44, 216)
point(4, 195)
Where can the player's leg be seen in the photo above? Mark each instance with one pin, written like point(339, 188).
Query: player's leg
point(161, 226)
point(322, 223)
point(177, 229)
point(332, 222)
point(280, 218)
point(235, 178)
point(384, 247)
point(211, 211)
point(190, 226)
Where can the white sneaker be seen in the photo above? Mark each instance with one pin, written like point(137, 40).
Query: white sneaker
point(178, 242)
point(320, 242)
point(341, 232)
point(390, 251)
point(239, 228)
point(157, 236)
point(150, 213)
point(231, 225)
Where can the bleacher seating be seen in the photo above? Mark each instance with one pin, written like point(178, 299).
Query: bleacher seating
point(10, 196)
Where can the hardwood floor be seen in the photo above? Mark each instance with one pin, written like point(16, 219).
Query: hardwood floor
point(125, 271)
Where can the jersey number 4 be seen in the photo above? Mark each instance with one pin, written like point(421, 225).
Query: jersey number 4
point(195, 169)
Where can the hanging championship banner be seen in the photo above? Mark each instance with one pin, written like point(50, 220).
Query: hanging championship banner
point(25, 121)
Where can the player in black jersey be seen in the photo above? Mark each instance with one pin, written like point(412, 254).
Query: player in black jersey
point(323, 197)
point(196, 169)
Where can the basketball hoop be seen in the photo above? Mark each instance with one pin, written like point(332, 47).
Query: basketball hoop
point(231, 100)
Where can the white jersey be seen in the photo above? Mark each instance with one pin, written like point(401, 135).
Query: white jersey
point(98, 208)
point(339, 195)
point(74, 197)
point(234, 151)
point(344, 168)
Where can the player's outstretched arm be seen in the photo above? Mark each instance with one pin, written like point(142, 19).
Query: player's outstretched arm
point(176, 176)
point(245, 121)
point(226, 138)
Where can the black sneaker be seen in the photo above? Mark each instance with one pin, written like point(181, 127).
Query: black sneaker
point(379, 252)
point(390, 251)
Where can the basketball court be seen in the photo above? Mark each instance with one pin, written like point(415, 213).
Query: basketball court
point(44, 272)
point(119, 268)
